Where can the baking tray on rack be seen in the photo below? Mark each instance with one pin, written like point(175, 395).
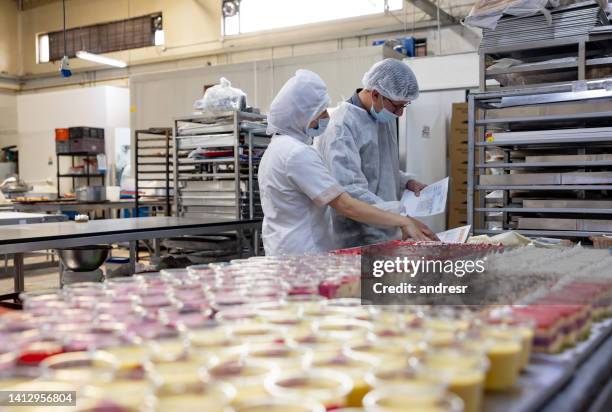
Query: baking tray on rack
point(205, 141)
point(546, 375)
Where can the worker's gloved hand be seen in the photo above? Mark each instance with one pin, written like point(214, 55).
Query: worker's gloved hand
point(416, 230)
point(415, 186)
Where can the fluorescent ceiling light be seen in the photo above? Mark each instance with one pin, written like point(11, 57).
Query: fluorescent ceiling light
point(96, 58)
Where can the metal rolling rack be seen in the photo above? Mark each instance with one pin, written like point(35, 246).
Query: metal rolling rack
point(565, 52)
point(489, 110)
point(221, 184)
point(153, 156)
point(87, 175)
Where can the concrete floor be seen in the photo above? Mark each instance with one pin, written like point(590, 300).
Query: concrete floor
point(39, 278)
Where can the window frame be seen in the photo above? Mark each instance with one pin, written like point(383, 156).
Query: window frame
point(72, 53)
point(313, 25)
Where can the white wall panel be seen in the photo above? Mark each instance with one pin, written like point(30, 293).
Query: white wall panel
point(40, 113)
point(159, 97)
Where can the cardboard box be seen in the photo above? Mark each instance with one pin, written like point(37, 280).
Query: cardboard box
point(456, 217)
point(457, 155)
point(458, 133)
point(460, 111)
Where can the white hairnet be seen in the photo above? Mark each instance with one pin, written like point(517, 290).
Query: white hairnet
point(298, 102)
point(393, 79)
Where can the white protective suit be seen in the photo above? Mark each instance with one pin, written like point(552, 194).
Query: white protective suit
point(363, 154)
point(294, 183)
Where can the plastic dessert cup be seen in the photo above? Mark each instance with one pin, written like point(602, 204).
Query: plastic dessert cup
point(379, 352)
point(504, 350)
point(128, 357)
point(80, 367)
point(355, 368)
point(463, 370)
point(280, 355)
point(398, 399)
point(209, 397)
point(329, 387)
point(407, 377)
point(279, 405)
point(246, 375)
point(127, 394)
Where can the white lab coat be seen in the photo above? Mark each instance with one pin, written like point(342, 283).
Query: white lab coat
point(363, 157)
point(295, 188)
point(294, 184)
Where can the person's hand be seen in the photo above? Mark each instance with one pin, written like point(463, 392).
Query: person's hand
point(416, 230)
point(415, 186)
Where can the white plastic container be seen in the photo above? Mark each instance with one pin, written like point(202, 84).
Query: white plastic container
point(113, 193)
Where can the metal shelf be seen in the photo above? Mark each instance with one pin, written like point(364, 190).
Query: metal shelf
point(549, 118)
point(532, 101)
point(550, 66)
point(566, 140)
point(543, 187)
point(544, 210)
point(143, 136)
point(81, 175)
point(518, 165)
point(530, 232)
point(228, 130)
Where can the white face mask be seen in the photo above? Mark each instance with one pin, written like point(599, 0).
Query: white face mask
point(312, 132)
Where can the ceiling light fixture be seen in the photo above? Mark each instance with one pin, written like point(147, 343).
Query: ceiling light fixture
point(96, 58)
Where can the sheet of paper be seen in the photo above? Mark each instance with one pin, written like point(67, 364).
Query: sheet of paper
point(431, 201)
point(456, 235)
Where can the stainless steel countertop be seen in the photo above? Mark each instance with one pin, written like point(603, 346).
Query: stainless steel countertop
point(37, 236)
point(72, 205)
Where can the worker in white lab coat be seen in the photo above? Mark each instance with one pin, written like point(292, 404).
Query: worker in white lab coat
point(296, 187)
point(361, 150)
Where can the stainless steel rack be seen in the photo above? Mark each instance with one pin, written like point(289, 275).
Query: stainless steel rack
point(546, 113)
point(153, 155)
point(568, 48)
point(217, 159)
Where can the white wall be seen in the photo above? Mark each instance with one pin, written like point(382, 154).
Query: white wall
point(446, 72)
point(157, 98)
point(39, 114)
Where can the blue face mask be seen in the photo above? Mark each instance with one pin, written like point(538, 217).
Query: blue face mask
point(312, 132)
point(384, 116)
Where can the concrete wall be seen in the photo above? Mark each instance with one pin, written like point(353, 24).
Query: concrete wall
point(9, 37)
point(157, 98)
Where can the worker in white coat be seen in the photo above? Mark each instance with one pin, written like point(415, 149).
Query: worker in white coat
point(296, 187)
point(361, 150)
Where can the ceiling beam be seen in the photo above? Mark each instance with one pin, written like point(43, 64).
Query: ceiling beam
point(431, 9)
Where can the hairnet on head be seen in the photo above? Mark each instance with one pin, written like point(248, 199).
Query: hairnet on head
point(393, 79)
point(298, 102)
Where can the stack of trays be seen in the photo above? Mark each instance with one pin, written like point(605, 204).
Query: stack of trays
point(567, 22)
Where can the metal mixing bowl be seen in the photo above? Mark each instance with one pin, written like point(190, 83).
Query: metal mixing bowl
point(83, 258)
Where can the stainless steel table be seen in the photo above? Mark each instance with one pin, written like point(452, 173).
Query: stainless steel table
point(18, 218)
point(70, 205)
point(19, 239)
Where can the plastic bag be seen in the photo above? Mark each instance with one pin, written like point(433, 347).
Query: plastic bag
point(486, 13)
point(222, 97)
